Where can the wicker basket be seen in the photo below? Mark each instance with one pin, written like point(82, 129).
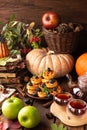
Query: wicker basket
point(61, 43)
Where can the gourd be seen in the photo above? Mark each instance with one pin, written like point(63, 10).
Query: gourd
point(38, 60)
point(4, 52)
point(81, 64)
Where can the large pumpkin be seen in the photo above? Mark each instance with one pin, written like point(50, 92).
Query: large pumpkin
point(81, 64)
point(40, 59)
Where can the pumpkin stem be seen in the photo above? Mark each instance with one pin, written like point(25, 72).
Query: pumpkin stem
point(50, 52)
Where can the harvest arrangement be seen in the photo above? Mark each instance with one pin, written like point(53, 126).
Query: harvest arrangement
point(21, 49)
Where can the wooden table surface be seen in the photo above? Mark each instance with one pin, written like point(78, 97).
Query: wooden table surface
point(47, 120)
point(46, 117)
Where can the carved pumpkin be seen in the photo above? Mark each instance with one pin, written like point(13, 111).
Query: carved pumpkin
point(40, 59)
point(4, 52)
point(81, 64)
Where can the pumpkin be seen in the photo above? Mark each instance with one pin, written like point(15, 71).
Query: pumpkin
point(38, 60)
point(81, 64)
point(4, 52)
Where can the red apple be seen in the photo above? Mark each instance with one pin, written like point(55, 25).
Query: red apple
point(50, 20)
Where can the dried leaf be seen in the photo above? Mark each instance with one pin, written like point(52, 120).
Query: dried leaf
point(32, 24)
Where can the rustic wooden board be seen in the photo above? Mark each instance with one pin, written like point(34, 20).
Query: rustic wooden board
point(66, 117)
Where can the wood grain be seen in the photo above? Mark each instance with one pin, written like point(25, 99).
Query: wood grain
point(32, 10)
point(66, 116)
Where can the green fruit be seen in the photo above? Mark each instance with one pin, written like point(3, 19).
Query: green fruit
point(11, 107)
point(29, 117)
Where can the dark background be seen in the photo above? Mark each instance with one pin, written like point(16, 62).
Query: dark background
point(32, 10)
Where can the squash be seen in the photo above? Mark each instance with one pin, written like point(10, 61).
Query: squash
point(38, 60)
point(4, 52)
point(81, 64)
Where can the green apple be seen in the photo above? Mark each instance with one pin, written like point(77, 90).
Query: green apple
point(29, 116)
point(11, 107)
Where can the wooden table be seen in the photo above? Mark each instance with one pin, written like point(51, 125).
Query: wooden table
point(46, 122)
point(46, 117)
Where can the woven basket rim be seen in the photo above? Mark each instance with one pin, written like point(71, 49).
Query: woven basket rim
point(56, 32)
point(61, 43)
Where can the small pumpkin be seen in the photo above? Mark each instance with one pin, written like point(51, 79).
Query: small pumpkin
point(4, 52)
point(81, 64)
point(41, 59)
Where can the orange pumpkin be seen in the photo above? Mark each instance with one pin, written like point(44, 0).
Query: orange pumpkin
point(4, 52)
point(81, 64)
